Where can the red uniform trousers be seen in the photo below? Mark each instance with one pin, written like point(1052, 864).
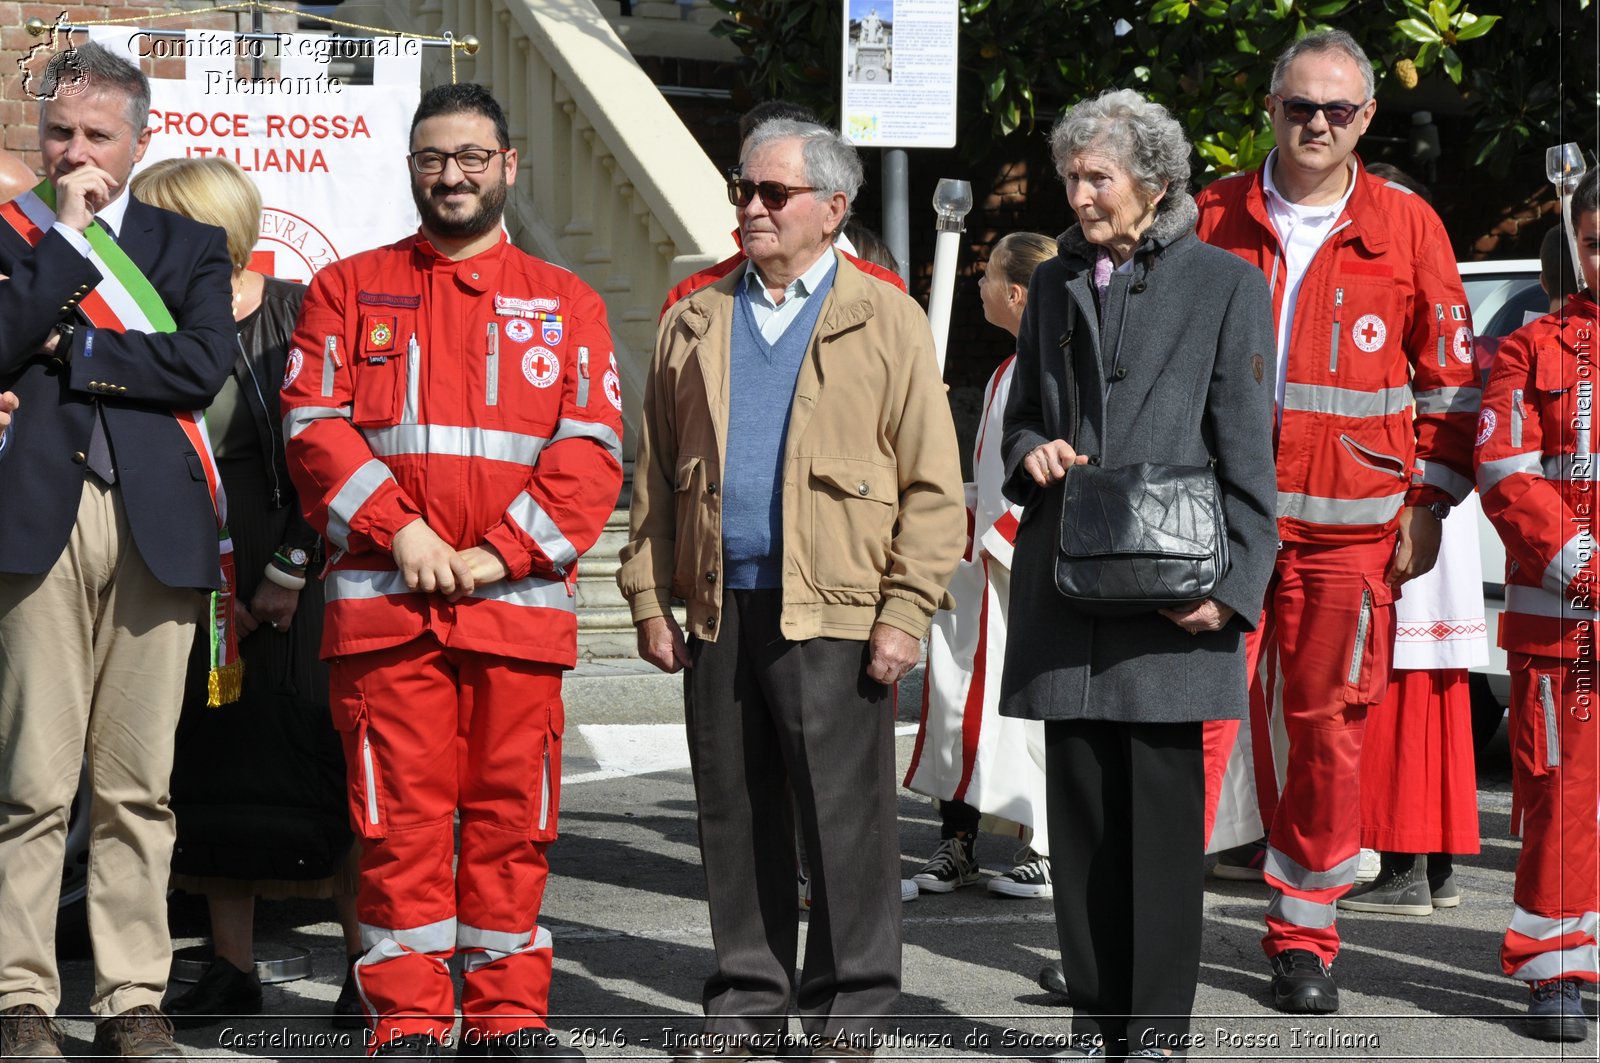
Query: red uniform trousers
point(1320, 658)
point(1419, 784)
point(1555, 748)
point(429, 730)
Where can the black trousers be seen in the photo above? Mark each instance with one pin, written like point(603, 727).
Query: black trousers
point(765, 716)
point(1127, 848)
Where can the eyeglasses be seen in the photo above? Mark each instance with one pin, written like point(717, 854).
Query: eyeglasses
point(773, 195)
point(469, 160)
point(1338, 113)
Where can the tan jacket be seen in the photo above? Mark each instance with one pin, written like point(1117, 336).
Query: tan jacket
point(873, 515)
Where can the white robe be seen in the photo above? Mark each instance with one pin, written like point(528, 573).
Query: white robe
point(965, 749)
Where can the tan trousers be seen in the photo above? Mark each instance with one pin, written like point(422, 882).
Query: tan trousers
point(92, 660)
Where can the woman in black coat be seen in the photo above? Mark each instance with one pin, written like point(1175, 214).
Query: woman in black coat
point(1169, 343)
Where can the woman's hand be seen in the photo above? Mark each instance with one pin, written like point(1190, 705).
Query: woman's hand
point(1048, 462)
point(274, 605)
point(1205, 615)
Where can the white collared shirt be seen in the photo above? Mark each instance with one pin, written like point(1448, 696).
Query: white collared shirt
point(773, 319)
point(1301, 230)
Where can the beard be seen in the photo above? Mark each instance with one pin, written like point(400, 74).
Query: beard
point(479, 219)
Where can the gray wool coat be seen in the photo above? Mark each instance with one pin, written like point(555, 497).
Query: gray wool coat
point(1182, 372)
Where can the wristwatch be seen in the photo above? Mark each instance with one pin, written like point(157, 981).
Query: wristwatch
point(298, 557)
point(1440, 510)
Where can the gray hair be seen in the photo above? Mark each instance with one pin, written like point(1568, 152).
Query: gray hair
point(98, 69)
point(1139, 133)
point(830, 161)
point(1587, 197)
point(1317, 43)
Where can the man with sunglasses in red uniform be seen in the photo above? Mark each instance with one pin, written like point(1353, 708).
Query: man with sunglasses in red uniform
point(1376, 400)
point(797, 483)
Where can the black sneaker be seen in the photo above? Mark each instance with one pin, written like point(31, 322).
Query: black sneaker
point(1030, 878)
point(952, 866)
point(1555, 1011)
point(223, 992)
point(1301, 984)
point(1242, 863)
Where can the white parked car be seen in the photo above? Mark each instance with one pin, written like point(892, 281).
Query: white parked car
point(1504, 296)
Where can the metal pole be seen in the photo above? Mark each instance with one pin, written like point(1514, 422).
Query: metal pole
point(896, 210)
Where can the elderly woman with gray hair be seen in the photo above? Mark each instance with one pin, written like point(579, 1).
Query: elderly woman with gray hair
point(1140, 344)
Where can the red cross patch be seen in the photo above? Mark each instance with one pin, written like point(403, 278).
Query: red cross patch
point(541, 367)
point(613, 388)
point(1462, 344)
point(1369, 332)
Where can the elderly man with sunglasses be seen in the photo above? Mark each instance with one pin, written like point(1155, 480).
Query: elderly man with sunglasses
point(1371, 318)
point(797, 483)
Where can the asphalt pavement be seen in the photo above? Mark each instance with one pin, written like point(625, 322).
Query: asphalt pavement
point(626, 908)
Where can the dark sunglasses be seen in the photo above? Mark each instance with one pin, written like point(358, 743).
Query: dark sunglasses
point(773, 195)
point(1301, 111)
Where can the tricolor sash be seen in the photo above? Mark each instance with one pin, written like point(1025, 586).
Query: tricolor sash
point(125, 301)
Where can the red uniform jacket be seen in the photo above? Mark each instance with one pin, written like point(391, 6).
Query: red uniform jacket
point(480, 395)
point(1381, 321)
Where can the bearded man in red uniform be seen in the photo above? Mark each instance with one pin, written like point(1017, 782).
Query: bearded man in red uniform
point(454, 424)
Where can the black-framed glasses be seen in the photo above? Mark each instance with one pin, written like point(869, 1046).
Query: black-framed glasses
point(773, 194)
point(468, 160)
point(1338, 113)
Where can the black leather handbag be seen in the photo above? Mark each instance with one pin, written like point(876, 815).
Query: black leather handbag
point(1140, 537)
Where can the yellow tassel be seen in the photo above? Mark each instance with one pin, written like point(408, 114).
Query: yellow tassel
point(225, 685)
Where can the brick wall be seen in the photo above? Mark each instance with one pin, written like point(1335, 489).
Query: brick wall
point(19, 114)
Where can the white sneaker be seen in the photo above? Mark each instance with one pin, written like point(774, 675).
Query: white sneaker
point(951, 867)
point(1030, 878)
point(909, 890)
point(1368, 868)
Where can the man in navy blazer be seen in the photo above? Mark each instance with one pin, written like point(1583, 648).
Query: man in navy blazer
point(108, 542)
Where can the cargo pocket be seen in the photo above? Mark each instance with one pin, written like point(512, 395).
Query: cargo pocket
point(853, 510)
point(368, 808)
point(1372, 648)
point(379, 392)
point(544, 821)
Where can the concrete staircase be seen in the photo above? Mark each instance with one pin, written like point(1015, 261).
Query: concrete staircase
point(605, 627)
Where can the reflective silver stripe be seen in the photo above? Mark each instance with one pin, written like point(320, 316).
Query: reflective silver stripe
point(434, 937)
point(537, 525)
point(1564, 964)
point(1536, 601)
point(1552, 724)
point(1568, 467)
point(530, 592)
point(301, 418)
point(1318, 510)
point(1447, 480)
point(369, 780)
point(1543, 928)
point(348, 584)
point(1300, 912)
point(355, 584)
point(1321, 398)
point(349, 499)
point(544, 789)
point(1363, 628)
point(1565, 566)
point(454, 441)
point(1449, 400)
point(504, 942)
point(1490, 473)
point(1516, 418)
point(1287, 871)
point(602, 434)
point(476, 959)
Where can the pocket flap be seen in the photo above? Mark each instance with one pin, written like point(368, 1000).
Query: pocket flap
point(855, 478)
point(1553, 368)
point(686, 468)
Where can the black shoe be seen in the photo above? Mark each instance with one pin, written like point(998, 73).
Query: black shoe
point(1555, 1011)
point(411, 1046)
point(347, 1013)
point(530, 1041)
point(1053, 980)
point(1301, 984)
point(222, 992)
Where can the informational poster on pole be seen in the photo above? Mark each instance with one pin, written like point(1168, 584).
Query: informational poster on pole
point(900, 73)
point(328, 156)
